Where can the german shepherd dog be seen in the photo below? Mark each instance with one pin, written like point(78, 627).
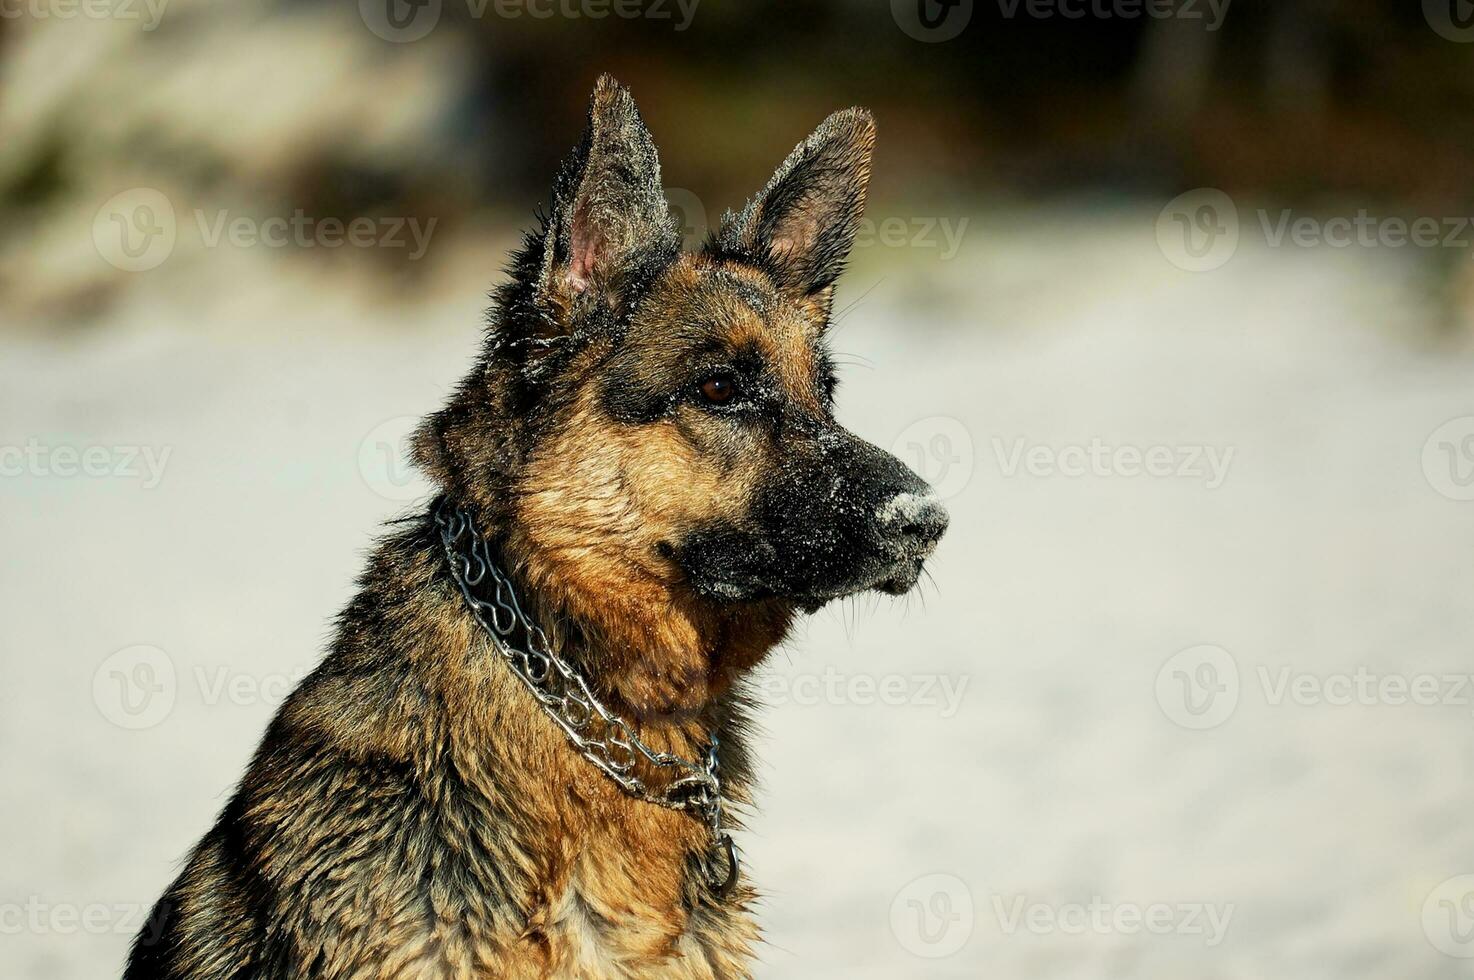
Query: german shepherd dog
point(514, 761)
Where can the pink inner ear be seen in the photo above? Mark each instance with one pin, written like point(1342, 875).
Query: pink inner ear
point(796, 236)
point(583, 247)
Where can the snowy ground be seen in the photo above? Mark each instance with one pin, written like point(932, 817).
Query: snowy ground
point(998, 777)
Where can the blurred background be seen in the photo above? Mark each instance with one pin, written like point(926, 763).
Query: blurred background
point(1171, 299)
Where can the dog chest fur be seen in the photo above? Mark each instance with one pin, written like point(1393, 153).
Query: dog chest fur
point(412, 813)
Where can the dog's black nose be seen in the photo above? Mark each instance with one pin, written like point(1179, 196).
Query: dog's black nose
point(914, 521)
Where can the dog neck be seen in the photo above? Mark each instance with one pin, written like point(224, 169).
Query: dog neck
point(611, 743)
point(664, 656)
point(597, 841)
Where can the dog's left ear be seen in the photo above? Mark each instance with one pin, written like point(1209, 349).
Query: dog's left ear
point(608, 207)
point(801, 227)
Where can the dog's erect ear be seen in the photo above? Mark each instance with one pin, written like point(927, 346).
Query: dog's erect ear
point(607, 200)
point(802, 226)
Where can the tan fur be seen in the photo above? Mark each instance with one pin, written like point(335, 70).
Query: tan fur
point(597, 503)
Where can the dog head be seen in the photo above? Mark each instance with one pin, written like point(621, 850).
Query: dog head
point(653, 425)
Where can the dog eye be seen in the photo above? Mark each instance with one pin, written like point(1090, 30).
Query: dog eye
point(718, 389)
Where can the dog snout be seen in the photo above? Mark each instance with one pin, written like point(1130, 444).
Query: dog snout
point(913, 521)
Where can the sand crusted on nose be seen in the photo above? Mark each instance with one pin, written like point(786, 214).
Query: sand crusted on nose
point(914, 511)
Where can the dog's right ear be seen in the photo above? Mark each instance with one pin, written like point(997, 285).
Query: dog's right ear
point(608, 211)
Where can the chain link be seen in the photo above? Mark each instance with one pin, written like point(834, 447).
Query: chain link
point(601, 736)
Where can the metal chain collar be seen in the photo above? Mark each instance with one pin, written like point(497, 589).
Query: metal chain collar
point(599, 735)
